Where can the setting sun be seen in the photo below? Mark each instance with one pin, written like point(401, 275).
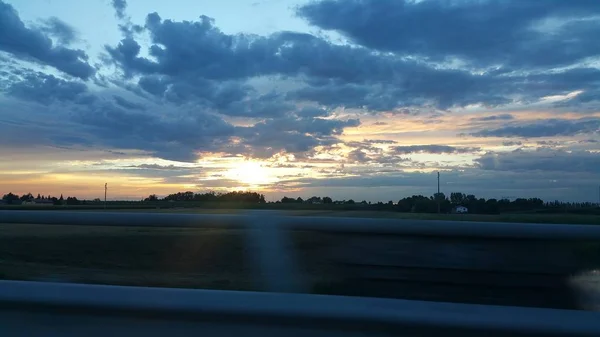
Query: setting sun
point(251, 173)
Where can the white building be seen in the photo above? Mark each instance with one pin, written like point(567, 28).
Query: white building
point(461, 209)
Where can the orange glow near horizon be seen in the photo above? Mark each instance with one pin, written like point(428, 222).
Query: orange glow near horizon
point(136, 175)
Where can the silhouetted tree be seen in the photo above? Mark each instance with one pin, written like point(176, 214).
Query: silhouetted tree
point(10, 198)
point(27, 197)
point(457, 198)
point(72, 201)
point(151, 197)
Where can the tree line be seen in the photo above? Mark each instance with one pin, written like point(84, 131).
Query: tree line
point(439, 202)
point(237, 196)
point(15, 199)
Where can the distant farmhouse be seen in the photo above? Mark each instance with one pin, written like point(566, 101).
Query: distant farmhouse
point(38, 202)
point(460, 210)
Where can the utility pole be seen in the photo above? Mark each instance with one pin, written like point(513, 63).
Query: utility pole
point(438, 192)
point(105, 189)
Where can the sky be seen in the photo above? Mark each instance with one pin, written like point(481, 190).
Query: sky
point(352, 99)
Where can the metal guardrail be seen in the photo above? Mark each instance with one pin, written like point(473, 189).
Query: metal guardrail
point(294, 314)
point(335, 314)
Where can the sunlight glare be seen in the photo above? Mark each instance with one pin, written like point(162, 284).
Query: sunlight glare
point(251, 173)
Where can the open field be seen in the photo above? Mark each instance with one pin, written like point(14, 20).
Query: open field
point(554, 218)
point(589, 217)
point(174, 257)
point(508, 217)
point(518, 272)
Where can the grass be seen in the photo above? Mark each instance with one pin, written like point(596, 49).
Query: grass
point(583, 219)
point(174, 257)
point(219, 259)
point(161, 257)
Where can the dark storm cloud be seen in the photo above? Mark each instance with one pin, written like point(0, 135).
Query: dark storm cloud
point(485, 33)
point(542, 159)
point(34, 44)
point(502, 117)
point(435, 149)
point(546, 128)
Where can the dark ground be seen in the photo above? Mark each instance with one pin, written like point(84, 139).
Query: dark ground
point(517, 272)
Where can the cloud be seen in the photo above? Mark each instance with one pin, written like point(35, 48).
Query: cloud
point(162, 167)
point(516, 34)
point(542, 159)
point(46, 89)
point(199, 89)
point(194, 61)
point(120, 6)
point(435, 149)
point(502, 117)
point(512, 143)
point(175, 137)
point(34, 44)
point(336, 75)
point(312, 112)
point(546, 128)
point(63, 32)
point(291, 134)
point(379, 141)
point(128, 104)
